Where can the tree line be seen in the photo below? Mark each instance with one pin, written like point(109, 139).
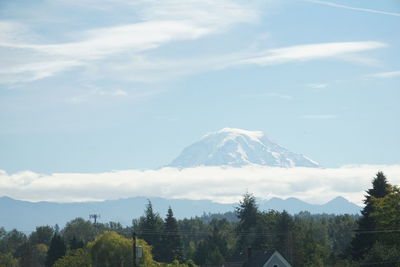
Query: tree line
point(369, 239)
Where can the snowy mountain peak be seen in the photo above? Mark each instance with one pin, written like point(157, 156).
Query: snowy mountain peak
point(255, 135)
point(237, 147)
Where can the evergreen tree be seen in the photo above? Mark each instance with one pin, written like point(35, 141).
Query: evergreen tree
point(26, 253)
point(9, 242)
point(149, 229)
point(171, 244)
point(211, 251)
point(42, 235)
point(284, 235)
point(364, 240)
point(56, 250)
point(247, 212)
point(75, 244)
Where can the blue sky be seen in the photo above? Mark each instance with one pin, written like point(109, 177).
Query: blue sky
point(93, 86)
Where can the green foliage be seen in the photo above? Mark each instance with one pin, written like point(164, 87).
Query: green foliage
point(309, 244)
point(80, 229)
point(283, 238)
point(41, 252)
point(147, 259)
point(7, 260)
point(216, 248)
point(116, 227)
point(387, 216)
point(170, 243)
point(10, 241)
point(32, 255)
point(149, 228)
point(340, 233)
point(247, 212)
point(75, 258)
point(193, 229)
point(75, 244)
point(365, 238)
point(42, 235)
point(382, 254)
point(110, 249)
point(56, 250)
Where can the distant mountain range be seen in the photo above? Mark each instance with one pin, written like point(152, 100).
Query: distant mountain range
point(237, 147)
point(25, 216)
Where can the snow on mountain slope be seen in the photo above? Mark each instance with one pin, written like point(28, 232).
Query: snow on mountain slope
point(237, 147)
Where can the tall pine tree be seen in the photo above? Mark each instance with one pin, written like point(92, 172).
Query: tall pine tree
point(149, 229)
point(56, 250)
point(283, 240)
point(364, 238)
point(171, 243)
point(247, 212)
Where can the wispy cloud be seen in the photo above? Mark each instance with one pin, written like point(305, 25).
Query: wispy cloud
point(269, 94)
point(125, 51)
point(319, 116)
point(161, 22)
point(91, 92)
point(36, 70)
point(81, 54)
point(138, 37)
point(118, 92)
point(354, 8)
point(389, 74)
point(318, 85)
point(156, 69)
point(310, 52)
point(101, 43)
point(221, 184)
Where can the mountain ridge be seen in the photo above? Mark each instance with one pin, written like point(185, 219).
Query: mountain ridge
point(15, 212)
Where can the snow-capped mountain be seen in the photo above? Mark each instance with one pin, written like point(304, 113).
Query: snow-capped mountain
point(237, 147)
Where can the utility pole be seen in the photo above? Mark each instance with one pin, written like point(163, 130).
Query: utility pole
point(134, 248)
point(290, 246)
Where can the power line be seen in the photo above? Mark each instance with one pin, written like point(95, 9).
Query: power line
point(379, 263)
point(271, 233)
point(241, 233)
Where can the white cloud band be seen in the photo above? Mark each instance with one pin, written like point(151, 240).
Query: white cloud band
point(221, 184)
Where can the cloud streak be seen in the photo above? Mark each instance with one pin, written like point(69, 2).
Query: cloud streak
point(389, 74)
point(221, 184)
point(150, 70)
point(318, 85)
point(311, 52)
point(354, 8)
point(99, 44)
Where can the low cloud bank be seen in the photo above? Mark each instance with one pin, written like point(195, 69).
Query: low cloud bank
point(220, 184)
